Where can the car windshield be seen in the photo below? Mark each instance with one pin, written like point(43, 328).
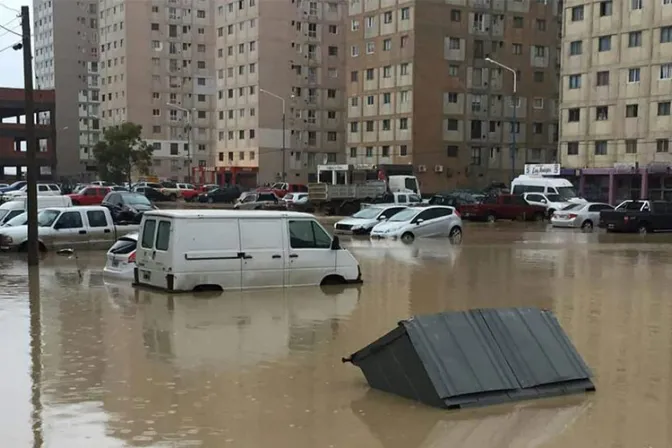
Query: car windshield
point(404, 215)
point(16, 184)
point(3, 213)
point(572, 207)
point(18, 220)
point(81, 190)
point(47, 217)
point(368, 213)
point(136, 199)
point(567, 193)
point(554, 197)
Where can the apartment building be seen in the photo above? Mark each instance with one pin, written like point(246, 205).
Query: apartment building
point(157, 70)
point(280, 66)
point(616, 96)
point(421, 92)
point(66, 59)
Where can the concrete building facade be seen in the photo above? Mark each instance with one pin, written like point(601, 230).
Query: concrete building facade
point(421, 92)
point(157, 70)
point(274, 57)
point(616, 97)
point(66, 59)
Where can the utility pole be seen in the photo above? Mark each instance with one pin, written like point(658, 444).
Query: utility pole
point(31, 140)
point(188, 129)
point(284, 120)
point(514, 124)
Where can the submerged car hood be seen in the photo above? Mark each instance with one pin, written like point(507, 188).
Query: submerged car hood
point(358, 221)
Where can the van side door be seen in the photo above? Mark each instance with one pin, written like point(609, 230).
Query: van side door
point(262, 246)
point(310, 257)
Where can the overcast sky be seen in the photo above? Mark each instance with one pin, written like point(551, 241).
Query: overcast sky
point(11, 68)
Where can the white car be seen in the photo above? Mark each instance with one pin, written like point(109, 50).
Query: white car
point(414, 222)
point(552, 202)
point(364, 220)
point(121, 257)
point(42, 190)
point(579, 216)
point(295, 199)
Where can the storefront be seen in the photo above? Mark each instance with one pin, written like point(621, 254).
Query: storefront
point(626, 181)
point(226, 175)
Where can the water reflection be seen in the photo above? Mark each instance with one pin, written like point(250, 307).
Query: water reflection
point(122, 367)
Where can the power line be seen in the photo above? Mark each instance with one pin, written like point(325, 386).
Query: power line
point(9, 30)
point(6, 48)
point(10, 8)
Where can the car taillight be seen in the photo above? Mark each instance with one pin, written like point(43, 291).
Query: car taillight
point(131, 258)
point(457, 213)
point(572, 216)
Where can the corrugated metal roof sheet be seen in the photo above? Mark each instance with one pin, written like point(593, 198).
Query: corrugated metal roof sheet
point(477, 357)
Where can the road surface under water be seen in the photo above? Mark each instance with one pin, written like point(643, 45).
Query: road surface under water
point(110, 366)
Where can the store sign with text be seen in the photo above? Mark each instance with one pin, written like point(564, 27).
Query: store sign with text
point(542, 169)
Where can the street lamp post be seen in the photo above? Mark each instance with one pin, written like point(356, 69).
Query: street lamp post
point(283, 127)
point(515, 107)
point(188, 128)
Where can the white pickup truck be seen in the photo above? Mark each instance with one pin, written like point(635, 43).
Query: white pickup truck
point(89, 227)
point(396, 198)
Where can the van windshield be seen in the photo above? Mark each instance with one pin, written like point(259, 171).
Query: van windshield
point(554, 197)
point(567, 192)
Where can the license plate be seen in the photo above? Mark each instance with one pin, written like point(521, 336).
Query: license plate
point(146, 275)
point(115, 263)
point(611, 226)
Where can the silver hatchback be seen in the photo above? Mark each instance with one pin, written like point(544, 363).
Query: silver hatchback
point(579, 216)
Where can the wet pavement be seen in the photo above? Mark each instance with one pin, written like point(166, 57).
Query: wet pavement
point(100, 364)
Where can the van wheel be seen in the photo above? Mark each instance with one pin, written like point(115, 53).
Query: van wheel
point(587, 225)
point(407, 238)
point(332, 280)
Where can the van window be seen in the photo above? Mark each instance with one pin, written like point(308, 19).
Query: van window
point(96, 218)
point(163, 235)
point(148, 234)
point(410, 184)
point(520, 189)
point(308, 235)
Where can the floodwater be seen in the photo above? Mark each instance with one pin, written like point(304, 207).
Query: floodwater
point(99, 364)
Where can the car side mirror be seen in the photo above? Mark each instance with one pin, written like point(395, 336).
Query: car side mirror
point(335, 243)
point(419, 221)
point(543, 201)
point(382, 218)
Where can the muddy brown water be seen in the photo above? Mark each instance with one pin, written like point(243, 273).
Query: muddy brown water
point(110, 366)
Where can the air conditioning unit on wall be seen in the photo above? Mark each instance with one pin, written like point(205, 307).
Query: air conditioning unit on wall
point(438, 168)
point(422, 169)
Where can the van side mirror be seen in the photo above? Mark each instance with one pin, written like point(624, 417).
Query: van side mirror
point(335, 243)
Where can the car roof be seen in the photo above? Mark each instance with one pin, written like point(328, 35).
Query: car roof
point(129, 236)
point(196, 214)
point(83, 208)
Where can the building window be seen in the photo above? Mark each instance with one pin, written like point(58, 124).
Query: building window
point(385, 151)
point(403, 41)
point(541, 24)
point(664, 109)
point(369, 151)
point(537, 128)
point(369, 126)
point(538, 103)
point(386, 126)
point(574, 115)
point(602, 113)
point(453, 43)
point(452, 150)
point(370, 47)
point(633, 75)
point(635, 39)
point(387, 17)
point(518, 22)
point(405, 13)
point(387, 44)
point(387, 71)
point(387, 98)
point(354, 127)
point(606, 8)
point(662, 145)
point(354, 25)
point(636, 4)
point(455, 15)
point(665, 71)
point(666, 34)
point(577, 13)
point(576, 48)
point(403, 69)
point(452, 97)
point(602, 78)
point(631, 111)
point(475, 156)
point(601, 148)
point(354, 51)
point(631, 146)
point(403, 122)
point(353, 152)
point(517, 48)
point(539, 77)
point(572, 148)
point(403, 150)
point(574, 81)
point(452, 124)
point(331, 136)
point(604, 43)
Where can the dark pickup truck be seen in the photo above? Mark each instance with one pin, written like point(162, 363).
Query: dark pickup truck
point(503, 206)
point(638, 217)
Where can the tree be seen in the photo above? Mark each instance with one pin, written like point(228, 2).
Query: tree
point(122, 151)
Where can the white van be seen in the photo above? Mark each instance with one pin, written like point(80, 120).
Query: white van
point(11, 209)
point(546, 185)
point(185, 250)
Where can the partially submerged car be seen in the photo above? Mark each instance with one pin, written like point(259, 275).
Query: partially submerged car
point(366, 219)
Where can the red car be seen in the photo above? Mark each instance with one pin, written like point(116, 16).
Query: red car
point(280, 189)
point(503, 206)
point(90, 195)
